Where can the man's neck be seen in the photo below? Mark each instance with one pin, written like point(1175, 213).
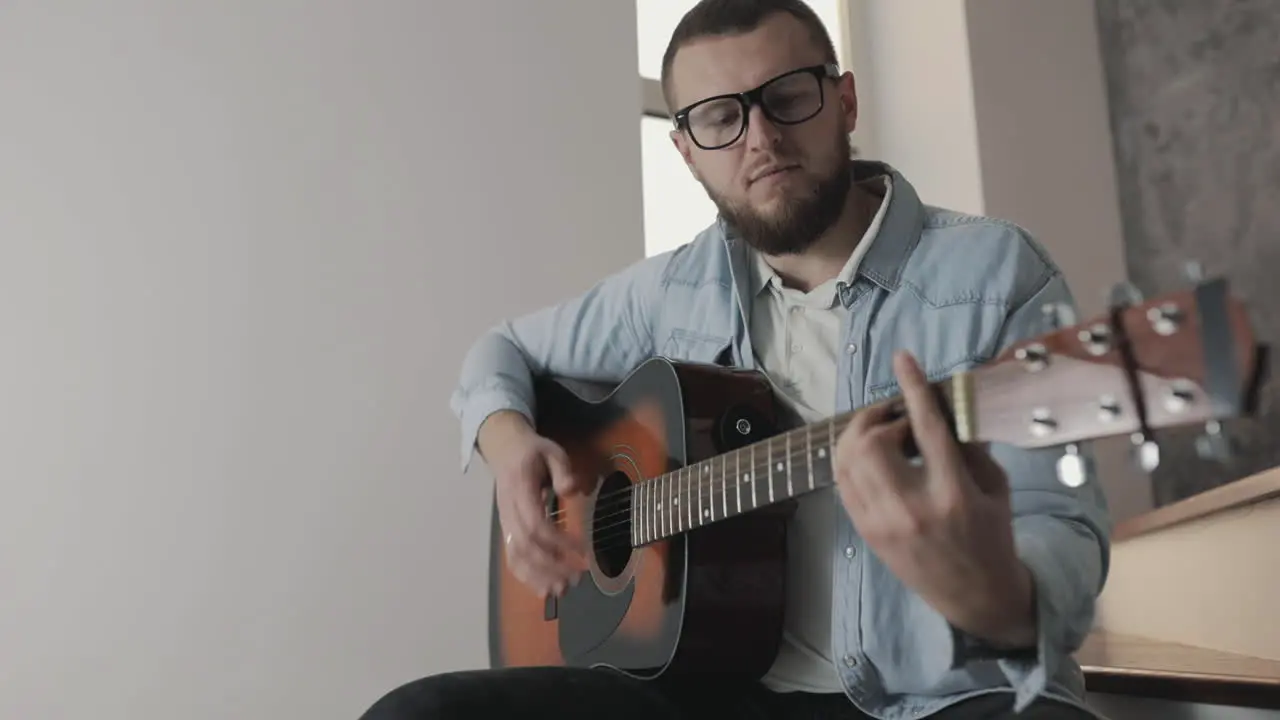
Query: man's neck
point(825, 258)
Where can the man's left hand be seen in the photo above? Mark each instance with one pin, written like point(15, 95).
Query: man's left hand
point(943, 526)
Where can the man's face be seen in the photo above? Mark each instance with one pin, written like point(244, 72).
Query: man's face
point(780, 185)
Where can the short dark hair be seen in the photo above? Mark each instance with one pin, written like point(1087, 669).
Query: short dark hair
point(727, 17)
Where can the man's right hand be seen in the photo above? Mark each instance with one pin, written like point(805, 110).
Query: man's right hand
point(526, 466)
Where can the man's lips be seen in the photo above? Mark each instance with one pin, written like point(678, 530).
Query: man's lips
point(771, 171)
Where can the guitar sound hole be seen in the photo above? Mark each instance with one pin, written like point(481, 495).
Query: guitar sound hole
point(611, 523)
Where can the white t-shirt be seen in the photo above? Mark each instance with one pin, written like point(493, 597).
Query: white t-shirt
point(796, 336)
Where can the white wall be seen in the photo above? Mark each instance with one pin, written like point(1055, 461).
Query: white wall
point(916, 96)
point(228, 472)
point(999, 107)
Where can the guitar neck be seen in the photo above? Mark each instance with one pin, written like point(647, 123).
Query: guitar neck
point(765, 473)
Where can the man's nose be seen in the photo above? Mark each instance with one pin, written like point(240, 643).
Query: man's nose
point(762, 134)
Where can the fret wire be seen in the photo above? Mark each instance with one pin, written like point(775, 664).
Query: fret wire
point(659, 509)
point(724, 487)
point(701, 510)
point(688, 504)
point(648, 515)
point(769, 468)
point(655, 496)
point(647, 501)
point(676, 507)
point(655, 523)
point(651, 494)
point(667, 528)
point(639, 516)
point(684, 501)
point(737, 476)
point(791, 491)
point(808, 453)
point(675, 501)
point(711, 489)
point(711, 495)
point(753, 477)
point(644, 513)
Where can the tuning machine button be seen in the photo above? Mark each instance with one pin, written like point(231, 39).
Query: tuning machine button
point(1108, 408)
point(1073, 468)
point(1214, 445)
point(1146, 451)
point(1165, 318)
point(1096, 339)
point(1034, 356)
point(1179, 397)
point(1042, 422)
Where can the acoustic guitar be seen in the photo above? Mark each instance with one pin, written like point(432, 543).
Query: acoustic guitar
point(696, 465)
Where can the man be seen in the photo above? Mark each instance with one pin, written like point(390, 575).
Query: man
point(956, 588)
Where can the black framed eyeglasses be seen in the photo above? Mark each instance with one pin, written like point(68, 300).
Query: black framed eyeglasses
point(788, 99)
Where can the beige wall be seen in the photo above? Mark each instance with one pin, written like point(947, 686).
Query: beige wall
point(228, 469)
point(1017, 130)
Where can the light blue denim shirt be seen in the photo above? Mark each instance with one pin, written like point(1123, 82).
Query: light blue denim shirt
point(954, 290)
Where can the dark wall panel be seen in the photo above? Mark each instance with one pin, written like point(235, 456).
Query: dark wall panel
point(1194, 90)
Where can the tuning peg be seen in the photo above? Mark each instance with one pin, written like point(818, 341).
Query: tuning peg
point(1073, 469)
point(1146, 452)
point(1124, 293)
point(1215, 445)
point(1057, 315)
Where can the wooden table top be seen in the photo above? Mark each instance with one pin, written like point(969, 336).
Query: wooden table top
point(1130, 665)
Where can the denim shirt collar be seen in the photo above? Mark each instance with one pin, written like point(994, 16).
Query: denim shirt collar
point(898, 237)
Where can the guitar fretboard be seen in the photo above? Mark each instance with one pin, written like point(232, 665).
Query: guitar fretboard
point(739, 481)
point(767, 472)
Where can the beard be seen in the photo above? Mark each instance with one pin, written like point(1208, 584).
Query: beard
point(800, 219)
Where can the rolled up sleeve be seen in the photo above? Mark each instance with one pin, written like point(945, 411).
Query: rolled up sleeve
point(599, 335)
point(1062, 534)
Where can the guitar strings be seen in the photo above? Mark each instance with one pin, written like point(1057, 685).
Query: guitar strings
point(619, 502)
point(684, 493)
point(687, 490)
point(606, 535)
point(836, 426)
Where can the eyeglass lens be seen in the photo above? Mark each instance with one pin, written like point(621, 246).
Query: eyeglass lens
point(789, 99)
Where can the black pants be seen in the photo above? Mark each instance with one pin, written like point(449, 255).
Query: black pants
point(570, 694)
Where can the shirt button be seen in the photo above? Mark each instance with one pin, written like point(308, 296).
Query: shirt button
point(853, 348)
point(797, 347)
point(849, 552)
point(850, 661)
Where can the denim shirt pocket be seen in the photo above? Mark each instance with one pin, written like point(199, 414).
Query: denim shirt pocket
point(694, 346)
point(943, 341)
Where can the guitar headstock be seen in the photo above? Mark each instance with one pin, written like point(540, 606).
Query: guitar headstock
point(1182, 358)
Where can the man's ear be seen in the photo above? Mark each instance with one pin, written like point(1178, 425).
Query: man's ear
point(686, 152)
point(848, 92)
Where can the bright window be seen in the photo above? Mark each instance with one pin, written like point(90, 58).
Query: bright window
point(676, 207)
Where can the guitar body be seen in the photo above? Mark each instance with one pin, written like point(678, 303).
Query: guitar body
point(707, 463)
point(706, 601)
